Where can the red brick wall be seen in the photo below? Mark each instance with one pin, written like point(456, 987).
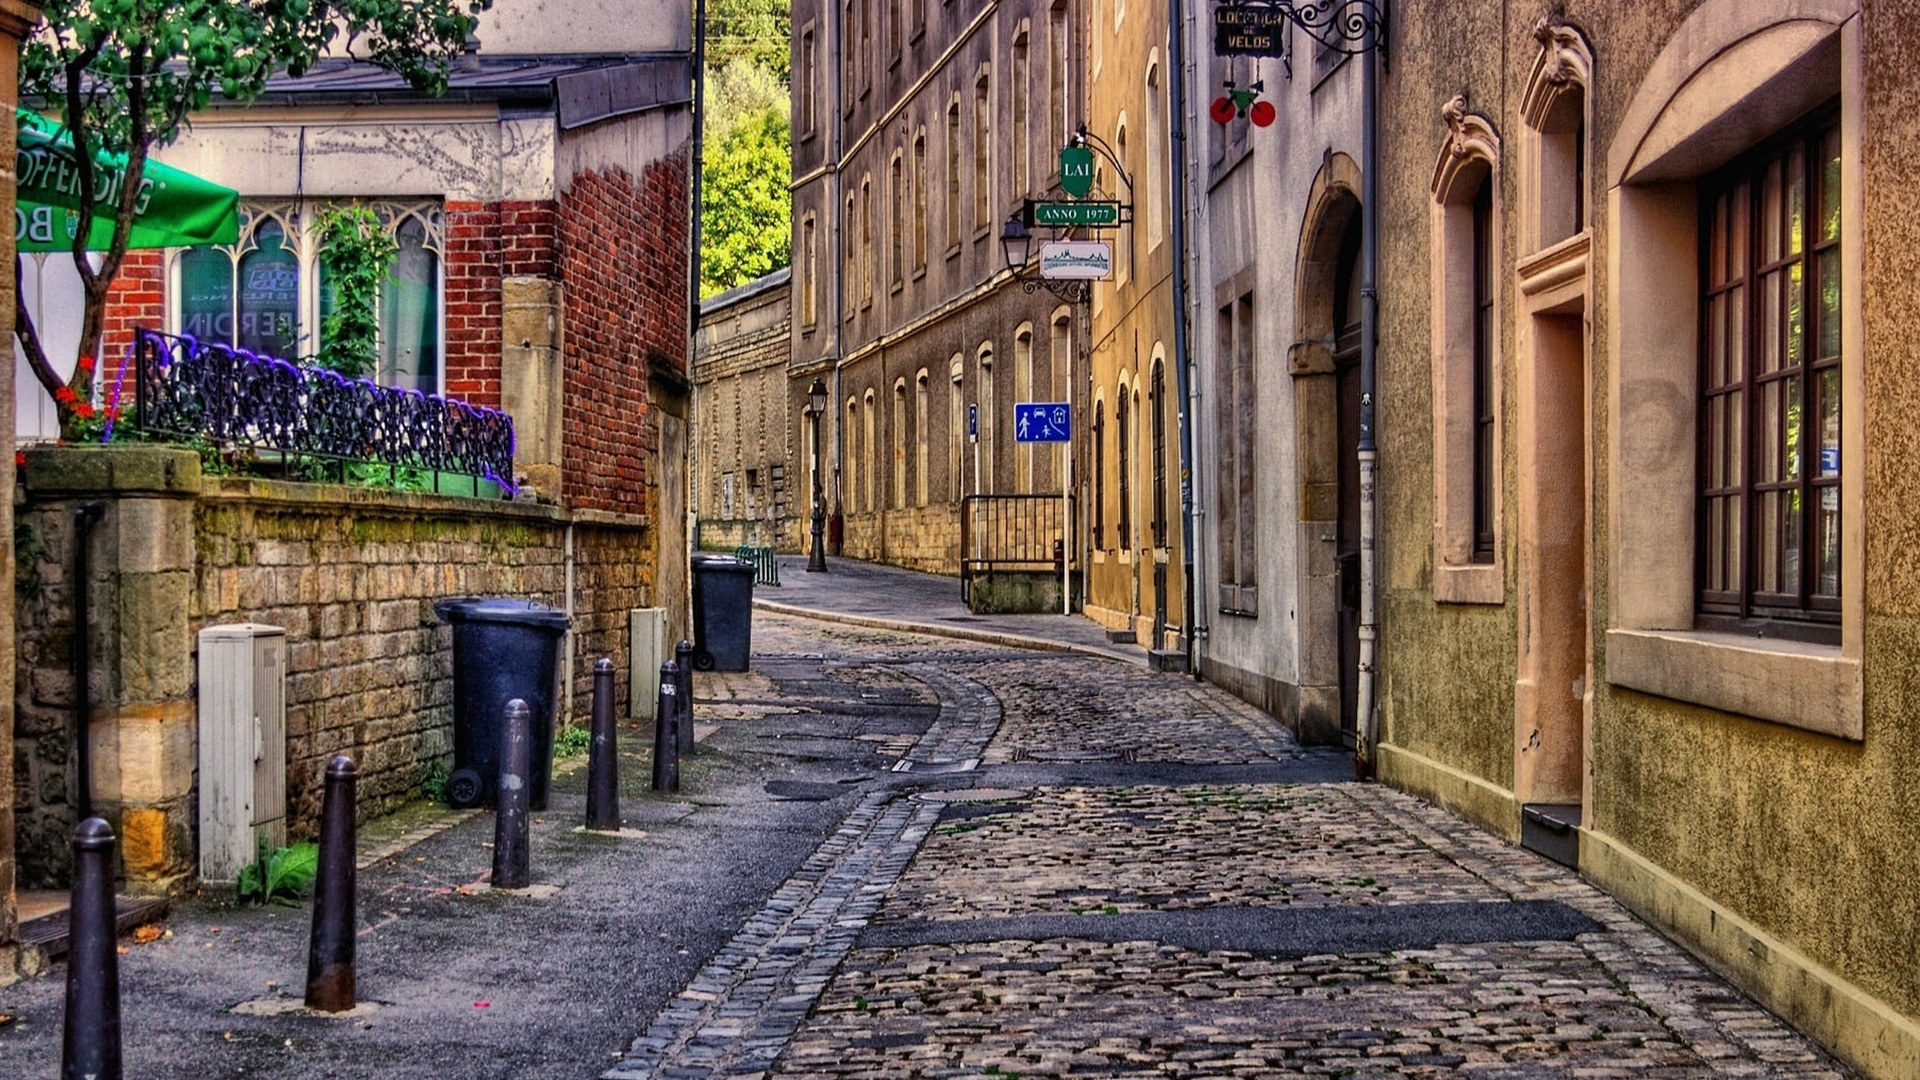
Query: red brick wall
point(623, 262)
point(472, 277)
point(137, 299)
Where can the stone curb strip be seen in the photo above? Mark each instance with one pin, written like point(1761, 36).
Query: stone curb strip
point(743, 1007)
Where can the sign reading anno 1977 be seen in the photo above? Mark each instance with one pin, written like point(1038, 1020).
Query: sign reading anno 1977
point(1249, 30)
point(1075, 214)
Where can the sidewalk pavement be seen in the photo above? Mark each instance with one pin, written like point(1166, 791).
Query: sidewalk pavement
point(889, 598)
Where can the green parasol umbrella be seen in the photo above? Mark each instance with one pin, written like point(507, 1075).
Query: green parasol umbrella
point(177, 209)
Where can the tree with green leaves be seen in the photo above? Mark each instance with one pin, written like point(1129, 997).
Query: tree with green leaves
point(123, 76)
point(752, 30)
point(746, 218)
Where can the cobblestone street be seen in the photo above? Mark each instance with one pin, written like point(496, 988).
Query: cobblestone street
point(1087, 868)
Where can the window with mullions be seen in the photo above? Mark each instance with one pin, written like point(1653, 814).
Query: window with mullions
point(1769, 532)
point(268, 294)
point(1483, 539)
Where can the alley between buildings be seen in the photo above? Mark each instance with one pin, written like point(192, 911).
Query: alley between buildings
point(904, 855)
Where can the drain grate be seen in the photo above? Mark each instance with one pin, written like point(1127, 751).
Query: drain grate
point(973, 795)
point(1076, 757)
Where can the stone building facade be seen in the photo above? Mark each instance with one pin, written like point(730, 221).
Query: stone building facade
point(1274, 315)
point(1645, 481)
point(1134, 559)
point(752, 450)
point(917, 130)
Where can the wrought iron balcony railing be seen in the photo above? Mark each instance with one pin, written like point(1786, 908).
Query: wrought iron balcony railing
point(189, 389)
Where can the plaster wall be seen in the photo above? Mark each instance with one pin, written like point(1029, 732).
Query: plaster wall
point(1252, 225)
point(1783, 849)
point(602, 26)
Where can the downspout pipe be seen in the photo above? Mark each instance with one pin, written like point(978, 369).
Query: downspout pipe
point(1182, 356)
point(1365, 707)
point(699, 165)
point(838, 119)
point(84, 518)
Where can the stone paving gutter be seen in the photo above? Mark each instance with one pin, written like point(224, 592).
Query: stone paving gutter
point(1096, 893)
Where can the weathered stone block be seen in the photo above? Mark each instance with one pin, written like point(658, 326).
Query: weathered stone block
point(144, 754)
point(153, 643)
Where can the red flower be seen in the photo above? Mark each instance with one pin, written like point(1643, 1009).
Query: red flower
point(20, 459)
point(84, 410)
point(64, 395)
point(86, 363)
point(111, 413)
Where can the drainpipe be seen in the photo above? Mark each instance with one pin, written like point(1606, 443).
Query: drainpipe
point(1182, 360)
point(83, 520)
point(838, 118)
point(573, 635)
point(1364, 707)
point(699, 167)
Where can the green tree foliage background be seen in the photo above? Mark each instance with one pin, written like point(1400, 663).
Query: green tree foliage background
point(746, 218)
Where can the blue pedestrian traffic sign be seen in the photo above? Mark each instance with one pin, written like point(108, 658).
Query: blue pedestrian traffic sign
point(1042, 421)
point(973, 423)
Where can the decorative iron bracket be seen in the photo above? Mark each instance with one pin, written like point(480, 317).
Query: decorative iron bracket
point(1069, 290)
point(1351, 27)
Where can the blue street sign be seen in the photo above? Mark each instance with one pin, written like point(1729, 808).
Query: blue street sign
point(973, 423)
point(1042, 421)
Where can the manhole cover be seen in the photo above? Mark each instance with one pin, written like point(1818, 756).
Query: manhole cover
point(974, 795)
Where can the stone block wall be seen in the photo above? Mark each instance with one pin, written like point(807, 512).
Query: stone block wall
point(752, 458)
point(351, 574)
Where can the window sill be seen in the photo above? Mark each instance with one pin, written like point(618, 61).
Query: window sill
point(896, 287)
point(920, 271)
point(1810, 687)
point(1476, 583)
point(953, 251)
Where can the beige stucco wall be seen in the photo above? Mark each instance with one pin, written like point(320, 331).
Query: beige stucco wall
point(1784, 855)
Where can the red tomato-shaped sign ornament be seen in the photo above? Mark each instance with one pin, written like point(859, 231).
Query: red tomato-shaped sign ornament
point(1222, 110)
point(1261, 113)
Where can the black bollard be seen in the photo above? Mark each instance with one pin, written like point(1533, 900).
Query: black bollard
point(91, 1047)
point(683, 689)
point(511, 820)
point(330, 977)
point(603, 764)
point(666, 731)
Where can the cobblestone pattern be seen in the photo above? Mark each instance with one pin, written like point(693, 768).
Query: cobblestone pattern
point(1069, 1007)
point(738, 1014)
point(1051, 703)
point(1163, 849)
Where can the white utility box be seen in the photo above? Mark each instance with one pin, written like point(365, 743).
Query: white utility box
point(647, 649)
point(243, 744)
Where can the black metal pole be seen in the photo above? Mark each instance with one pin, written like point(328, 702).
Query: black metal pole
point(817, 554)
point(90, 1047)
point(666, 733)
point(330, 949)
point(511, 818)
point(83, 519)
point(603, 764)
point(683, 689)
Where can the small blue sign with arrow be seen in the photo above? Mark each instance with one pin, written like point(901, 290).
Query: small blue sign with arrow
point(1042, 421)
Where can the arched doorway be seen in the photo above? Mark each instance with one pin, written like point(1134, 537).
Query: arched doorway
point(1324, 363)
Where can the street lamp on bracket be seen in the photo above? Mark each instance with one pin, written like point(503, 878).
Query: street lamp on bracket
point(816, 408)
point(1016, 244)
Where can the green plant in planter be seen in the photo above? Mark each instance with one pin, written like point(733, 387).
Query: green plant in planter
point(356, 254)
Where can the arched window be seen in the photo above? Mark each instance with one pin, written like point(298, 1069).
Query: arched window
point(1157, 411)
point(953, 175)
point(1017, 114)
point(1123, 445)
point(1466, 362)
point(897, 438)
point(1099, 474)
point(870, 451)
point(956, 430)
point(1123, 238)
point(897, 225)
point(921, 421)
point(851, 498)
point(982, 153)
point(920, 200)
point(988, 424)
point(1023, 384)
point(1153, 180)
